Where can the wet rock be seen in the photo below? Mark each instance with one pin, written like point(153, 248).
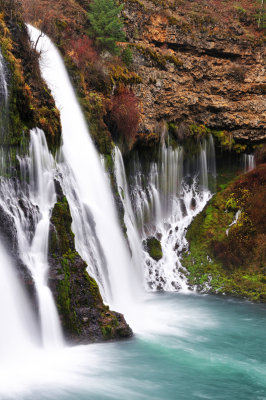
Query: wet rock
point(183, 208)
point(159, 236)
point(193, 203)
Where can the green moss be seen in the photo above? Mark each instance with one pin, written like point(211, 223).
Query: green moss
point(159, 58)
point(199, 131)
point(121, 75)
point(109, 328)
point(154, 248)
point(94, 289)
point(61, 219)
point(107, 331)
point(63, 300)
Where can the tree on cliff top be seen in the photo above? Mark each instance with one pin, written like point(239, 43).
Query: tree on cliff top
point(106, 26)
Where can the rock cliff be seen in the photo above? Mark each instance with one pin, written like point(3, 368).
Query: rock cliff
point(200, 63)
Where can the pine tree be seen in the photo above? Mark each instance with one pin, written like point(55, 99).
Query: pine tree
point(106, 26)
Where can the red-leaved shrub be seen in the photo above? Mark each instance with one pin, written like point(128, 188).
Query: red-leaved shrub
point(124, 116)
point(82, 52)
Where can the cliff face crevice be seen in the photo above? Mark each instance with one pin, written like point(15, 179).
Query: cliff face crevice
point(189, 48)
point(197, 68)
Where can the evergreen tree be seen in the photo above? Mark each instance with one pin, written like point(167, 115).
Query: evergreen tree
point(106, 26)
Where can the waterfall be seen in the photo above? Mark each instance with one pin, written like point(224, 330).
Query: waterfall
point(3, 96)
point(248, 162)
point(3, 81)
point(161, 202)
point(165, 198)
point(98, 235)
point(129, 217)
point(18, 330)
point(30, 205)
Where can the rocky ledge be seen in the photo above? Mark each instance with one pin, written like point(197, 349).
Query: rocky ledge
point(83, 315)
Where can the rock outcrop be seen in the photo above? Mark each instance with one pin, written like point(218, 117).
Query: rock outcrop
point(200, 63)
point(83, 315)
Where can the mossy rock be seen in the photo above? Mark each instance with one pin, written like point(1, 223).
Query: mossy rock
point(84, 317)
point(154, 248)
point(228, 255)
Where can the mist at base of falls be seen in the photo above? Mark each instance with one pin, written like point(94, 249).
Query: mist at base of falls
point(181, 356)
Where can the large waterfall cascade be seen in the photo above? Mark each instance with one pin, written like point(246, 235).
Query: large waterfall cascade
point(98, 235)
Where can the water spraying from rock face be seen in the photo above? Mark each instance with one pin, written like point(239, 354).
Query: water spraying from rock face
point(248, 162)
point(30, 207)
point(98, 236)
point(165, 197)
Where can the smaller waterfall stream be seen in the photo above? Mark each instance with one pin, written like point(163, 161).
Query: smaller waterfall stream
point(3, 96)
point(248, 162)
point(3, 81)
point(18, 330)
point(30, 208)
point(42, 194)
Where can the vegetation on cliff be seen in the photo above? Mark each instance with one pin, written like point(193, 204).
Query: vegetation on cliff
point(87, 35)
point(227, 251)
point(184, 63)
point(30, 103)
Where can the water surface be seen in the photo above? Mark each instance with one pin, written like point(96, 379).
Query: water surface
point(186, 347)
